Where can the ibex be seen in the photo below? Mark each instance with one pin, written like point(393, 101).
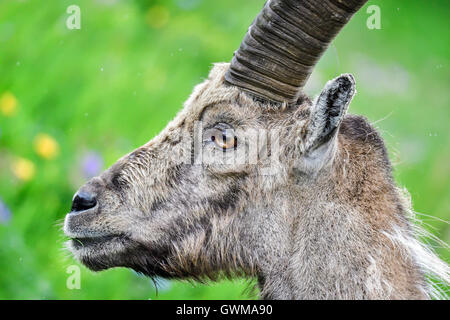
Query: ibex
point(315, 215)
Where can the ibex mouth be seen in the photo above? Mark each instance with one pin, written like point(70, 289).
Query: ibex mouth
point(99, 253)
point(79, 243)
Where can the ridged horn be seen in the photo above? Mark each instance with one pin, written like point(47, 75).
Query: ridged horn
point(284, 43)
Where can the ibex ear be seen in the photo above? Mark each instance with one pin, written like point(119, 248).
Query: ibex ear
point(327, 112)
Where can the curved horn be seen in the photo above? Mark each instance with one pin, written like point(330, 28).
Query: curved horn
point(284, 43)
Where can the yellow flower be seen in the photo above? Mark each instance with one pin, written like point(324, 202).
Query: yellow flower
point(158, 16)
point(45, 146)
point(23, 169)
point(8, 104)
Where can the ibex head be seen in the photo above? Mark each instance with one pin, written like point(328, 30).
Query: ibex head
point(253, 178)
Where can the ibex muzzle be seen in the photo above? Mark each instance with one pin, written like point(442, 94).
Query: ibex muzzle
point(309, 207)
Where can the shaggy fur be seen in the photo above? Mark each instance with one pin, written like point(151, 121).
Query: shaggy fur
point(314, 213)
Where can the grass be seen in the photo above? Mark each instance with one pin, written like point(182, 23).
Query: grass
point(115, 83)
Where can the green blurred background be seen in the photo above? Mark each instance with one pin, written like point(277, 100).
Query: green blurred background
point(73, 101)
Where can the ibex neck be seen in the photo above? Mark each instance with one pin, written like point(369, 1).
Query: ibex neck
point(334, 254)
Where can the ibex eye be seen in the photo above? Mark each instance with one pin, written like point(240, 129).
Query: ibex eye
point(222, 137)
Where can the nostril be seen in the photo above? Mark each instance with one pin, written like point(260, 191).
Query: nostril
point(83, 201)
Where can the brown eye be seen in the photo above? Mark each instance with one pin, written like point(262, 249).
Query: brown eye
point(224, 139)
